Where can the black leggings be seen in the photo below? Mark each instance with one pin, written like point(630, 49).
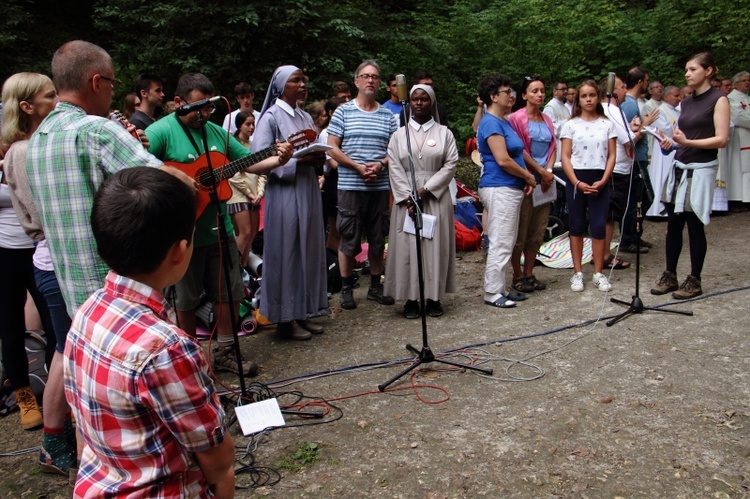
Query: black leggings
point(696, 238)
point(17, 270)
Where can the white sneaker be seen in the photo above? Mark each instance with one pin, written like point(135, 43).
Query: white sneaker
point(601, 281)
point(576, 282)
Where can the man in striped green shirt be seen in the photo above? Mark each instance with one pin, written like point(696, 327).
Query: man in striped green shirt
point(74, 149)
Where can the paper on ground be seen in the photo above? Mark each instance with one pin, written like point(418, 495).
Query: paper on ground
point(258, 416)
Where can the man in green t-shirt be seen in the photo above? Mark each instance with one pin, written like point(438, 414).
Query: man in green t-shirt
point(178, 139)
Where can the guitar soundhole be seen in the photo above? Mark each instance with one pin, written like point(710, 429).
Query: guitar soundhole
point(203, 176)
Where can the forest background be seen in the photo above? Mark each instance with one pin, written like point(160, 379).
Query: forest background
point(458, 41)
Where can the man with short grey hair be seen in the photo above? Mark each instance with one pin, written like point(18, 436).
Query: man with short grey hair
point(359, 132)
point(738, 181)
point(74, 149)
point(655, 91)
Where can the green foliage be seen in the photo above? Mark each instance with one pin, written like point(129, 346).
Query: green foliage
point(307, 453)
point(458, 41)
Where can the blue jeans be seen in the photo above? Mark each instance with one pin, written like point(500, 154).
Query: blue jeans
point(46, 282)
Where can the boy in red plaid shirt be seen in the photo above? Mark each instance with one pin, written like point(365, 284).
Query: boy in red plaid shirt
point(143, 401)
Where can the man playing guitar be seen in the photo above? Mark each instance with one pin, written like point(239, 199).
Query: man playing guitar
point(178, 139)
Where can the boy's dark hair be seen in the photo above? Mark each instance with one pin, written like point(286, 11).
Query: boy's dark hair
point(243, 88)
point(339, 86)
point(490, 85)
point(421, 74)
point(194, 81)
point(391, 77)
point(143, 82)
point(635, 75)
point(138, 214)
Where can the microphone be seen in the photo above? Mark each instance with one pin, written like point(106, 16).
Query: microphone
point(401, 85)
point(611, 84)
point(194, 106)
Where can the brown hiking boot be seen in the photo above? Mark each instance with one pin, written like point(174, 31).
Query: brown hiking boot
point(667, 282)
point(688, 289)
point(31, 416)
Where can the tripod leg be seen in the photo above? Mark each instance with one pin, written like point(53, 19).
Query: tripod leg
point(402, 373)
point(488, 372)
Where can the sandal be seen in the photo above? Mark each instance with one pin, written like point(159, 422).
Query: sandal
point(512, 295)
point(610, 263)
point(523, 284)
point(538, 285)
point(501, 302)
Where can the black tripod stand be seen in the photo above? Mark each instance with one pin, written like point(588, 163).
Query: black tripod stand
point(425, 355)
point(636, 304)
point(225, 256)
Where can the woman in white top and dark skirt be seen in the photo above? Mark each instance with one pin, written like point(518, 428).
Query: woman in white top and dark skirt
point(703, 128)
point(588, 142)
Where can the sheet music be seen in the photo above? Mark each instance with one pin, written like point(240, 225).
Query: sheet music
point(428, 225)
point(538, 198)
point(258, 416)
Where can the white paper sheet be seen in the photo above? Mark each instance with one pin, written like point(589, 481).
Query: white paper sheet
point(538, 198)
point(258, 416)
point(428, 225)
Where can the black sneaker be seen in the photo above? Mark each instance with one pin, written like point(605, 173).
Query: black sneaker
point(376, 293)
point(434, 308)
point(347, 298)
point(411, 309)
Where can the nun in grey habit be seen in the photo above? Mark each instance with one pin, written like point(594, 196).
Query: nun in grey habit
point(294, 286)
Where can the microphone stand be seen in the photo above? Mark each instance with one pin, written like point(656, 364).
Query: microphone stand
point(425, 355)
point(635, 306)
point(225, 256)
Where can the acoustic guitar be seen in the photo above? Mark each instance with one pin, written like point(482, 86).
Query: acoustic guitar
point(223, 169)
point(120, 118)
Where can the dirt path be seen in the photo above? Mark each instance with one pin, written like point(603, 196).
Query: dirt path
point(655, 406)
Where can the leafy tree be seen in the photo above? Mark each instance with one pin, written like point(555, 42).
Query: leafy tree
point(458, 41)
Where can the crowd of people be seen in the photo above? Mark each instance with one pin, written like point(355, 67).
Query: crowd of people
point(100, 223)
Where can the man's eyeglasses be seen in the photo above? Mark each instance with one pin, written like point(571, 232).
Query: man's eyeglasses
point(369, 77)
point(112, 81)
point(511, 93)
point(208, 109)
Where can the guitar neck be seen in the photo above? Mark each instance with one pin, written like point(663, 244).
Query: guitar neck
point(229, 170)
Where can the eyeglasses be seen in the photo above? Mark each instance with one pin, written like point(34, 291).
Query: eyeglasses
point(112, 81)
point(511, 93)
point(369, 77)
point(533, 78)
point(564, 89)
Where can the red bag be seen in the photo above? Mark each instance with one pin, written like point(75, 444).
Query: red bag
point(467, 239)
point(471, 146)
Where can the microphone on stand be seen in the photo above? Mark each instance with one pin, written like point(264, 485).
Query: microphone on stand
point(611, 84)
point(194, 106)
point(401, 86)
